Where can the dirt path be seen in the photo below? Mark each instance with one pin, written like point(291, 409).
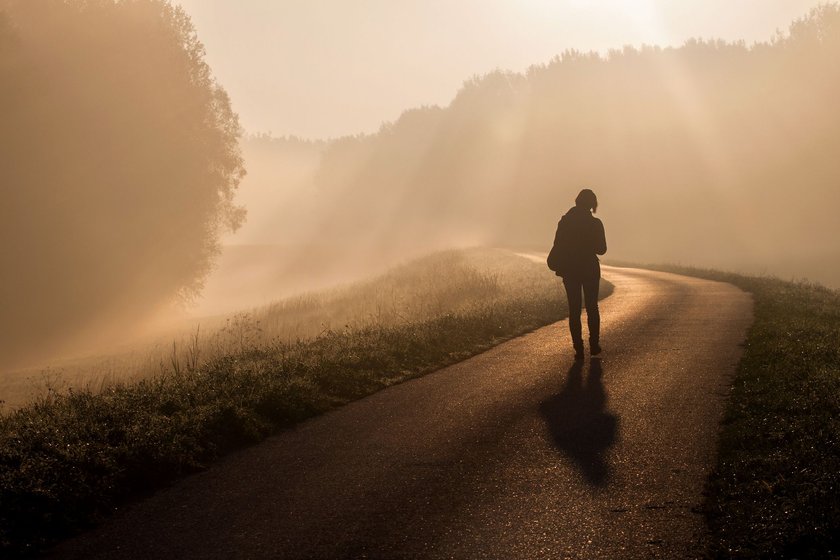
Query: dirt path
point(515, 453)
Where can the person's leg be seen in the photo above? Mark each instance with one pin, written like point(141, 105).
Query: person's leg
point(573, 294)
point(593, 315)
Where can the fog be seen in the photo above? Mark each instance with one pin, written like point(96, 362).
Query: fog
point(125, 200)
point(119, 159)
point(711, 154)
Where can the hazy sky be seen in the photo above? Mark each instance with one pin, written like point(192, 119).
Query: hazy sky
point(325, 68)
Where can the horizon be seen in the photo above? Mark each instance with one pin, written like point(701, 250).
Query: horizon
point(386, 58)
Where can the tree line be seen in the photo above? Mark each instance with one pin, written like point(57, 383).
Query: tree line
point(713, 153)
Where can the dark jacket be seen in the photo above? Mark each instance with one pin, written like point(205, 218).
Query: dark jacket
point(582, 236)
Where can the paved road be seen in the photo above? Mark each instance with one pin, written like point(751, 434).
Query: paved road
point(516, 453)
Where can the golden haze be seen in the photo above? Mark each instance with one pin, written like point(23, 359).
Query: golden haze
point(121, 160)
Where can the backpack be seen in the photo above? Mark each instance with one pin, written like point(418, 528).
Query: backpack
point(560, 255)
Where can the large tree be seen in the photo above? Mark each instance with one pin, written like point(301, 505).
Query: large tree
point(119, 160)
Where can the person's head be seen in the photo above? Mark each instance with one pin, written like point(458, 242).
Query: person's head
point(587, 199)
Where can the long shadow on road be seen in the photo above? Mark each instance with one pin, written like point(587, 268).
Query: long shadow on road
point(579, 423)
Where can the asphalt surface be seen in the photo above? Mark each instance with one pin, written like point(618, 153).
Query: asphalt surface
point(516, 453)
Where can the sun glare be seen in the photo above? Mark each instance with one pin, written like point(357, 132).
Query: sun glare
point(642, 18)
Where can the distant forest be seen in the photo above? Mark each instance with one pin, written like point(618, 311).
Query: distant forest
point(713, 154)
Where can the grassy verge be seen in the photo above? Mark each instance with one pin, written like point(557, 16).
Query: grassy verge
point(69, 458)
point(775, 492)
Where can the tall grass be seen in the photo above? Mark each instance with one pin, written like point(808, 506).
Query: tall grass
point(69, 457)
point(453, 282)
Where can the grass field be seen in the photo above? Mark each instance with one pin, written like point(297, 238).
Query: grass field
point(69, 457)
point(454, 282)
point(775, 492)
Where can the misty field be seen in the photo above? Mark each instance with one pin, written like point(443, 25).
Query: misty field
point(444, 284)
point(69, 457)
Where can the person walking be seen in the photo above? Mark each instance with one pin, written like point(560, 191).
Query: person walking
point(578, 241)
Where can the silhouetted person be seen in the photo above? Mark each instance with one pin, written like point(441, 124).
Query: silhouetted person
point(578, 242)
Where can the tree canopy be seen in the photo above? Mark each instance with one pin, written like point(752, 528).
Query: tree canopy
point(119, 160)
